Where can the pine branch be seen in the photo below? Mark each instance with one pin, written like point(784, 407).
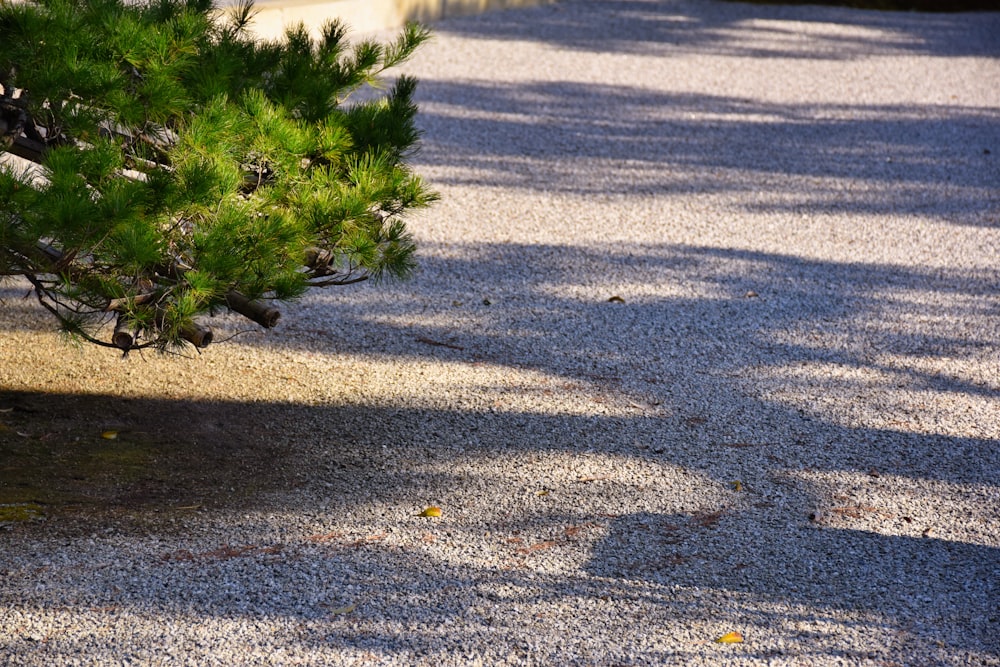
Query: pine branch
point(183, 166)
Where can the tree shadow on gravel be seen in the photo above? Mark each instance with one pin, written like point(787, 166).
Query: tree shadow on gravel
point(804, 158)
point(936, 590)
point(709, 312)
point(705, 403)
point(739, 343)
point(723, 395)
point(403, 603)
point(714, 566)
point(731, 28)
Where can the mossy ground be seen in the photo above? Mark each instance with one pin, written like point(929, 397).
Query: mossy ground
point(81, 458)
point(20, 512)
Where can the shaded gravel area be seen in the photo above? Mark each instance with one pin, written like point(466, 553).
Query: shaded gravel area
point(705, 340)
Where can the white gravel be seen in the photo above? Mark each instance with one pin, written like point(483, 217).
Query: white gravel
point(798, 209)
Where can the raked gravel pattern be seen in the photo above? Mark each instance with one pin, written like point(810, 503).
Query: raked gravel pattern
point(681, 244)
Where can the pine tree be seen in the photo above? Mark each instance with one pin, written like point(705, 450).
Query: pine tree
point(178, 167)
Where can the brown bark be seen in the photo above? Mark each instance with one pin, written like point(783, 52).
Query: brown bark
point(258, 311)
point(138, 300)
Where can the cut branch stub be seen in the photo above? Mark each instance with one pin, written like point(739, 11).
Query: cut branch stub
point(197, 335)
point(124, 335)
point(258, 311)
point(194, 333)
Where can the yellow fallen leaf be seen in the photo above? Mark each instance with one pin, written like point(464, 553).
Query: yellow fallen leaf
point(109, 435)
point(737, 485)
point(431, 511)
point(541, 493)
point(730, 638)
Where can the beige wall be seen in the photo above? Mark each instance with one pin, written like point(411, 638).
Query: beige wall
point(367, 15)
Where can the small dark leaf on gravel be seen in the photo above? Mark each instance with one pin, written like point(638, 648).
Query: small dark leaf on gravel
point(616, 299)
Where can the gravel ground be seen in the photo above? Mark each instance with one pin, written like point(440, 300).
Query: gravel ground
point(705, 340)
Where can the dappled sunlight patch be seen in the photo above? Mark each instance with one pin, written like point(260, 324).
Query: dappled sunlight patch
point(365, 615)
point(892, 504)
point(532, 511)
point(918, 398)
point(637, 293)
point(817, 37)
point(429, 360)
